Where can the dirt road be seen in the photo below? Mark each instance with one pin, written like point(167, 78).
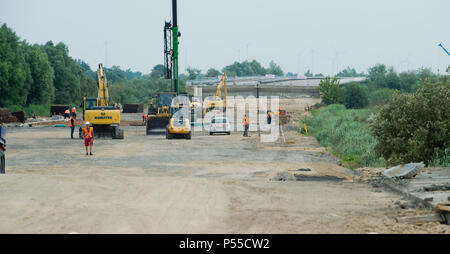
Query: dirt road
point(218, 184)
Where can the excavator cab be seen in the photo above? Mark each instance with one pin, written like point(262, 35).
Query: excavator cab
point(159, 113)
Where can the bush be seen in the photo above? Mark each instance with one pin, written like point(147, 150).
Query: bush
point(356, 96)
point(38, 110)
point(347, 133)
point(381, 97)
point(414, 127)
point(330, 91)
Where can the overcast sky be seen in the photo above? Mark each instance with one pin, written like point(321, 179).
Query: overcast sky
point(322, 35)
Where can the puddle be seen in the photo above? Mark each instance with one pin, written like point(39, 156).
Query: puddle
point(305, 178)
point(284, 176)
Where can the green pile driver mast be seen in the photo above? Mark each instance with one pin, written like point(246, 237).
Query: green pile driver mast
point(160, 113)
point(171, 35)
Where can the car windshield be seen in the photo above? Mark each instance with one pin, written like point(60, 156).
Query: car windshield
point(219, 120)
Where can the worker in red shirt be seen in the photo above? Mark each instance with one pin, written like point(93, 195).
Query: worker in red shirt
point(88, 133)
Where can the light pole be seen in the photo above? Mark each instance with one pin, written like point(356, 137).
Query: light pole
point(257, 108)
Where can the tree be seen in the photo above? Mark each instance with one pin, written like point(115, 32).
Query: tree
point(15, 76)
point(115, 74)
point(275, 69)
point(308, 74)
point(330, 91)
point(349, 73)
point(356, 95)
point(377, 74)
point(121, 93)
point(67, 73)
point(159, 71)
point(414, 127)
point(41, 90)
point(245, 69)
point(193, 73)
point(213, 73)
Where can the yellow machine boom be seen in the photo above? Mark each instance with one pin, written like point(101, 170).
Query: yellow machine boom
point(102, 83)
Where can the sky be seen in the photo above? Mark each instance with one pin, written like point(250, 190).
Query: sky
point(321, 35)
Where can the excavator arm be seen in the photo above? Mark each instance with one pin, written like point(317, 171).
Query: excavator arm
point(222, 83)
point(103, 96)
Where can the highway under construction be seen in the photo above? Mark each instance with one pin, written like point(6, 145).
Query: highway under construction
point(163, 170)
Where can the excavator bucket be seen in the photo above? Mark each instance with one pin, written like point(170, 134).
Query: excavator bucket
point(157, 124)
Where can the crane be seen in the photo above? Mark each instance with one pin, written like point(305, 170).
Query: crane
point(160, 113)
point(440, 45)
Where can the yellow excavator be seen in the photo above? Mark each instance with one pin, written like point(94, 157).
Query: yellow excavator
point(97, 111)
point(217, 102)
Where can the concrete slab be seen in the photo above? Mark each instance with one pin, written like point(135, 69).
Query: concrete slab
point(406, 171)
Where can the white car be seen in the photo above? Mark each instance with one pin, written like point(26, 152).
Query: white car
point(220, 125)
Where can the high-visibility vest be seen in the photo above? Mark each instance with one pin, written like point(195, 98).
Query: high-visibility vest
point(270, 114)
point(88, 134)
point(70, 122)
point(246, 120)
point(67, 111)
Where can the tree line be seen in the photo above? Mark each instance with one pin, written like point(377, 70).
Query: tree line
point(377, 89)
point(237, 69)
point(33, 74)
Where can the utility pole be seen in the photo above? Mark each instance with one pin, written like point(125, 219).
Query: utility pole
point(257, 109)
point(247, 50)
point(106, 54)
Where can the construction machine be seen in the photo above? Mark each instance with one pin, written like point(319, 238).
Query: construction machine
point(161, 111)
point(180, 123)
point(216, 103)
point(104, 118)
point(448, 53)
point(2, 149)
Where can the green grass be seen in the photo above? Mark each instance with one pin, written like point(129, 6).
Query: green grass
point(346, 132)
point(38, 110)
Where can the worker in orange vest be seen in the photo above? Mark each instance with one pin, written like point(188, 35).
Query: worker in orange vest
point(269, 117)
point(144, 117)
point(246, 125)
point(88, 133)
point(72, 126)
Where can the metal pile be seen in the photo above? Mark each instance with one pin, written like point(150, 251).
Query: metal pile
point(7, 117)
point(133, 108)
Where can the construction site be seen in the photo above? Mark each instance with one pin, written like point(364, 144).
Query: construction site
point(182, 163)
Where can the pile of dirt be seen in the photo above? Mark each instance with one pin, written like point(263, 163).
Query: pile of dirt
point(7, 117)
point(367, 173)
